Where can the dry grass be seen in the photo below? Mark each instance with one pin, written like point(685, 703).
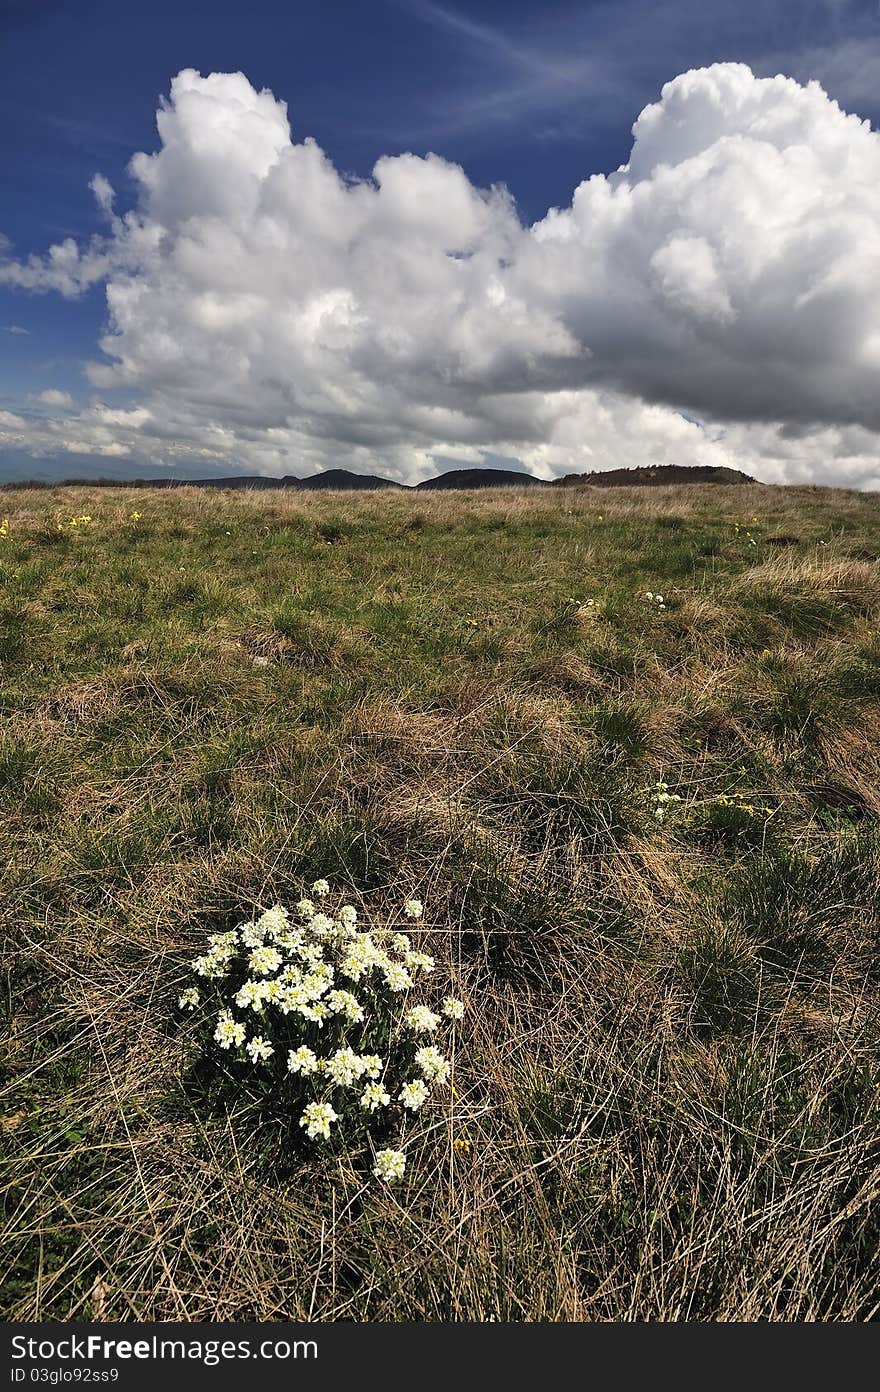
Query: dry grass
point(669, 1082)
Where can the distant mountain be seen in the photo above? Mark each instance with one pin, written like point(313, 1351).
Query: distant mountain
point(644, 475)
point(331, 478)
point(479, 478)
point(344, 478)
point(235, 481)
point(654, 476)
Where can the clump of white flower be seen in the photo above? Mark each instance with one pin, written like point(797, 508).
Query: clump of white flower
point(419, 961)
point(317, 1118)
point(326, 1012)
point(344, 1003)
point(264, 960)
point(656, 600)
point(390, 1165)
point(321, 925)
point(661, 799)
point(421, 1019)
point(274, 921)
point(251, 934)
point(432, 1064)
point(259, 1049)
point(303, 1060)
point(413, 1095)
point(344, 1067)
point(374, 1096)
point(229, 1032)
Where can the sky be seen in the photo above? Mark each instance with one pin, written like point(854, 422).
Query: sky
point(399, 235)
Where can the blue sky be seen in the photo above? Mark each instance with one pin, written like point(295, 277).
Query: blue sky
point(534, 96)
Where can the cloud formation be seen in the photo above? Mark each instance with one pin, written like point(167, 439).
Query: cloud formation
point(269, 311)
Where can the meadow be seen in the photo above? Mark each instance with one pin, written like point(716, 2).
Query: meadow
point(645, 832)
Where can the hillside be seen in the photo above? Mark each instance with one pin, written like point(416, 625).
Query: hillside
point(462, 479)
point(626, 752)
point(655, 476)
point(478, 478)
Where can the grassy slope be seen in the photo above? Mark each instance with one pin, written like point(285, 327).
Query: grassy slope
point(671, 1079)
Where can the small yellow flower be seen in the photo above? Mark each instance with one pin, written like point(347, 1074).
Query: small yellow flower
point(461, 1145)
point(4, 527)
point(136, 517)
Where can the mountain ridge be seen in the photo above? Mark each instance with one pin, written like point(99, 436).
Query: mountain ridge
point(345, 480)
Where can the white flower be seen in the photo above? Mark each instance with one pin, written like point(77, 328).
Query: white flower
point(302, 1060)
point(413, 1095)
point(370, 1065)
point(318, 981)
point(421, 1019)
point(374, 1096)
point(360, 958)
point(432, 1064)
point(293, 940)
point(344, 1067)
point(344, 1003)
point(259, 1049)
point(311, 953)
point(420, 961)
point(390, 1165)
point(318, 1117)
point(229, 1031)
point(397, 978)
point(274, 921)
point(291, 998)
point(303, 967)
point(223, 944)
point(264, 960)
point(250, 996)
point(317, 1013)
point(322, 925)
point(252, 935)
point(211, 966)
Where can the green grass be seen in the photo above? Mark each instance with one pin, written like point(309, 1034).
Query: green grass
point(669, 1081)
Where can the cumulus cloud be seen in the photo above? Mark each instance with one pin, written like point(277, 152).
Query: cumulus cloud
point(53, 397)
point(269, 310)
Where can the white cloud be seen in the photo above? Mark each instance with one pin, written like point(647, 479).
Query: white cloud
point(269, 311)
point(53, 397)
point(17, 329)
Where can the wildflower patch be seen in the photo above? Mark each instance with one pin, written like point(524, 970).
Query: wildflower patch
point(326, 1015)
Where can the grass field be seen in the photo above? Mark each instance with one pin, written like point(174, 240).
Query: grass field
point(669, 1079)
